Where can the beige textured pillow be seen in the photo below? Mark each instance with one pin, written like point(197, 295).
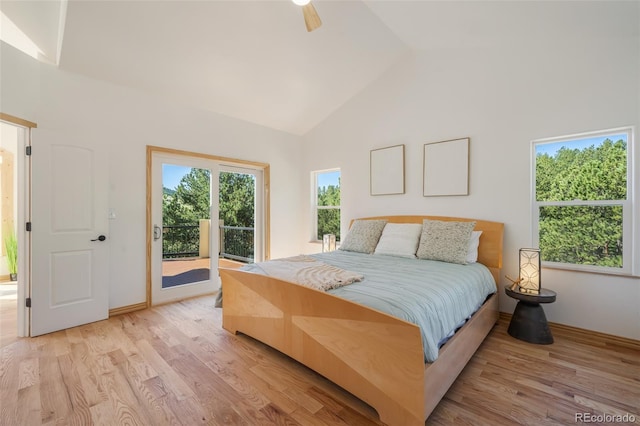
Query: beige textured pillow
point(363, 236)
point(445, 241)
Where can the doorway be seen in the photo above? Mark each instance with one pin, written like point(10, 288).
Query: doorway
point(8, 233)
point(202, 211)
point(14, 242)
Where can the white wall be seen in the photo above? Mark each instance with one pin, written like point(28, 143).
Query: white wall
point(501, 97)
point(127, 121)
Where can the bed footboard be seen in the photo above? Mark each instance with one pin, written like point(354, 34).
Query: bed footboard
point(457, 352)
point(377, 357)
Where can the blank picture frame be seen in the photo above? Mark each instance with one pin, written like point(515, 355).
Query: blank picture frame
point(446, 168)
point(387, 170)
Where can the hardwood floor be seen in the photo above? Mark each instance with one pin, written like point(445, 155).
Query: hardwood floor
point(8, 313)
point(174, 364)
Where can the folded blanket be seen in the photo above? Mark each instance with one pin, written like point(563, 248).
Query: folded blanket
point(309, 272)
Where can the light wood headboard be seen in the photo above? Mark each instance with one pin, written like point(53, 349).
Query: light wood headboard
point(490, 250)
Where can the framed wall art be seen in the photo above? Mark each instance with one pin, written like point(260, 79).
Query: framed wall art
point(387, 170)
point(446, 168)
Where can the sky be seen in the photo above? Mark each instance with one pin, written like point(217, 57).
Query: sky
point(172, 174)
point(578, 143)
point(328, 178)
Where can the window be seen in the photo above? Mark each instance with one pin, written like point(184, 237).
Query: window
point(326, 203)
point(582, 210)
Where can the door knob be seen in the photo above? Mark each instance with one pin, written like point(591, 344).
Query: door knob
point(100, 238)
point(157, 232)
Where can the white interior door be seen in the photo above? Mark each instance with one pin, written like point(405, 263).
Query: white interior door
point(184, 255)
point(70, 246)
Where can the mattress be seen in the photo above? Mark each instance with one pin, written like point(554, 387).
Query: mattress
point(436, 296)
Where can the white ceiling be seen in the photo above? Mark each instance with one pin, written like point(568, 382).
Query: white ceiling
point(41, 21)
point(254, 60)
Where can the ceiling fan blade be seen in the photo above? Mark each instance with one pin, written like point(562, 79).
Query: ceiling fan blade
point(311, 18)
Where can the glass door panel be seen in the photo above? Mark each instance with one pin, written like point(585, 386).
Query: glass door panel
point(237, 216)
point(186, 225)
point(240, 231)
point(183, 241)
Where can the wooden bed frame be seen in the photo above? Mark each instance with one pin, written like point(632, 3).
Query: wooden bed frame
point(376, 357)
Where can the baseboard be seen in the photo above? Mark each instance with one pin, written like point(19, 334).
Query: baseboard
point(183, 299)
point(126, 309)
point(591, 333)
point(140, 306)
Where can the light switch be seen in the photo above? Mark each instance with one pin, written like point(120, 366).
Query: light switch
point(112, 214)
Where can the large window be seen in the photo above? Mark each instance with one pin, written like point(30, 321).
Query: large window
point(582, 209)
point(326, 203)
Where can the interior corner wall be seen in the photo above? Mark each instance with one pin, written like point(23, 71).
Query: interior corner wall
point(127, 121)
point(502, 98)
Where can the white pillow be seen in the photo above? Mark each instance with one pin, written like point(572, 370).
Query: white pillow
point(474, 243)
point(399, 239)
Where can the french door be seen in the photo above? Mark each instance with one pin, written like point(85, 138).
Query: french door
point(240, 220)
point(184, 259)
point(204, 210)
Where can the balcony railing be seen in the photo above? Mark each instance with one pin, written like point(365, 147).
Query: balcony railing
point(236, 242)
point(180, 241)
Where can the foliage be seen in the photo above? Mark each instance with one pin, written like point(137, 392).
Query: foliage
point(183, 208)
point(191, 200)
point(11, 247)
point(329, 219)
point(582, 234)
point(237, 199)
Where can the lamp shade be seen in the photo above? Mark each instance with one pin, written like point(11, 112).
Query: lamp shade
point(530, 270)
point(328, 242)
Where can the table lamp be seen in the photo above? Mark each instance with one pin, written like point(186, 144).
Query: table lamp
point(529, 281)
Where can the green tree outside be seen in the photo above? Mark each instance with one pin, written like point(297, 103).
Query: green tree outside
point(190, 202)
point(582, 234)
point(237, 199)
point(329, 219)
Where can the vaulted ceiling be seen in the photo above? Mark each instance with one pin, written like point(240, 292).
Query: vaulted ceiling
point(255, 61)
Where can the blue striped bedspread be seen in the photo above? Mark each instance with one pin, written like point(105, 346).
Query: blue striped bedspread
point(436, 296)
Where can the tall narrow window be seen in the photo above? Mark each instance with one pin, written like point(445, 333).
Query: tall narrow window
point(326, 203)
point(582, 210)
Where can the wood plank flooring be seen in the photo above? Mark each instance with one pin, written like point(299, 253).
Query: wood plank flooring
point(8, 313)
point(175, 365)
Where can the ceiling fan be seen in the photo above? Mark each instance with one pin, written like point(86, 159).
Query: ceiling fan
point(311, 18)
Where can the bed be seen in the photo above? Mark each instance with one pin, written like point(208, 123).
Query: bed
point(377, 357)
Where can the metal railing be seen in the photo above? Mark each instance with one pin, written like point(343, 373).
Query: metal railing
point(180, 241)
point(236, 243)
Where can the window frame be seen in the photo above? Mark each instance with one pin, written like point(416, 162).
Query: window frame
point(629, 227)
point(314, 202)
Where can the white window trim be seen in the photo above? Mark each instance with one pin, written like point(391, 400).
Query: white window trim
point(630, 225)
point(314, 201)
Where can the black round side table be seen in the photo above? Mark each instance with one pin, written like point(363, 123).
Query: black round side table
point(529, 323)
